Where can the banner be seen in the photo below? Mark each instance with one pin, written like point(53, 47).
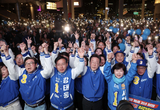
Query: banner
point(140, 103)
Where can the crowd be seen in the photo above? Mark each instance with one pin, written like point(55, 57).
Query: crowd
point(52, 64)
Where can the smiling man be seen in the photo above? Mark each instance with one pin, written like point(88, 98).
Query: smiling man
point(143, 80)
point(32, 79)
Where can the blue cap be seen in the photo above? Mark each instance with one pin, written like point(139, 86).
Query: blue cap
point(141, 62)
point(127, 35)
point(119, 51)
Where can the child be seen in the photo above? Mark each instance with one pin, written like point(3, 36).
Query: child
point(118, 83)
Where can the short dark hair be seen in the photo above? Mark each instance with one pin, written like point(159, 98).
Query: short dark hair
point(1, 65)
point(27, 58)
point(101, 42)
point(115, 45)
point(124, 105)
point(64, 53)
point(97, 56)
point(60, 57)
point(119, 66)
point(102, 55)
point(118, 38)
point(141, 55)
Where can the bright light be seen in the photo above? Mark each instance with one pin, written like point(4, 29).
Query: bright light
point(107, 8)
point(156, 37)
point(149, 38)
point(51, 5)
point(67, 28)
point(76, 3)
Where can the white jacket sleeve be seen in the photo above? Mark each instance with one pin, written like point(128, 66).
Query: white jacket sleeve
point(47, 66)
point(158, 69)
point(54, 56)
point(14, 70)
point(128, 48)
point(71, 60)
point(25, 55)
point(152, 65)
point(31, 52)
point(78, 69)
point(11, 54)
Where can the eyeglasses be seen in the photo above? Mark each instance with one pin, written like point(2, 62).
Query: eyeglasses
point(31, 63)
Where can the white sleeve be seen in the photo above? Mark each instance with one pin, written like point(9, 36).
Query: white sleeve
point(128, 48)
point(47, 67)
point(78, 69)
point(25, 55)
point(152, 65)
point(90, 53)
point(62, 50)
point(94, 44)
point(71, 60)
point(42, 59)
point(11, 54)
point(31, 52)
point(158, 69)
point(54, 56)
point(14, 70)
point(136, 49)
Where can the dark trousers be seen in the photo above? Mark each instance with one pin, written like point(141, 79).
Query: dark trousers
point(105, 100)
point(78, 100)
point(88, 105)
point(70, 108)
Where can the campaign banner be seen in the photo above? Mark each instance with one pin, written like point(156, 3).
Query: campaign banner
point(140, 103)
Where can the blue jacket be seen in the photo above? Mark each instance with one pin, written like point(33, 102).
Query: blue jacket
point(118, 92)
point(9, 90)
point(93, 85)
point(142, 85)
point(61, 89)
point(33, 89)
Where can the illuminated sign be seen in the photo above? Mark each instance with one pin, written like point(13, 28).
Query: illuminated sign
point(135, 13)
point(76, 3)
point(51, 5)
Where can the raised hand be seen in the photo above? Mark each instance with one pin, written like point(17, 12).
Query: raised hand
point(134, 58)
point(55, 45)
point(91, 47)
point(81, 52)
point(110, 56)
point(75, 46)
point(150, 49)
point(45, 47)
point(29, 41)
point(108, 44)
point(33, 48)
